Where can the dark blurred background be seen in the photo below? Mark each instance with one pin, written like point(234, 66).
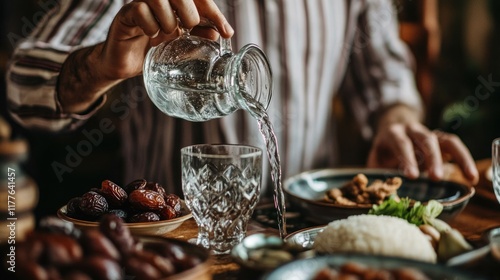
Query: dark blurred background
point(48, 149)
point(454, 44)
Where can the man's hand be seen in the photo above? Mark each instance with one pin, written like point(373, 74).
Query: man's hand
point(142, 24)
point(88, 73)
point(411, 147)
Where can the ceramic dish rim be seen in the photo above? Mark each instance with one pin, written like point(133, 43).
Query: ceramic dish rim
point(301, 231)
point(62, 213)
point(345, 257)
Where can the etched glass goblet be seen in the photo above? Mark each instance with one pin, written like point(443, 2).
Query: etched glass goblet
point(221, 186)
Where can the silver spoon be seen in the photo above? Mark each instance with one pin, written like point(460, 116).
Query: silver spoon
point(492, 237)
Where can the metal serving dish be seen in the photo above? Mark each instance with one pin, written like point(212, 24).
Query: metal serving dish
point(263, 252)
point(303, 238)
point(306, 190)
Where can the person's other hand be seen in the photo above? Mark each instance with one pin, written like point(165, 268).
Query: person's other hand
point(412, 148)
point(141, 24)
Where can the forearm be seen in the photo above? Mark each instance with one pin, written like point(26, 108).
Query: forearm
point(81, 82)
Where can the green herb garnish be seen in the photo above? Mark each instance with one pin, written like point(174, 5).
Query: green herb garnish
point(417, 213)
point(451, 242)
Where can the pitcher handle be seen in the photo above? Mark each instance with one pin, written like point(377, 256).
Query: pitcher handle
point(224, 44)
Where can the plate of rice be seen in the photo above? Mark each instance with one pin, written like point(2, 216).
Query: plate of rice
point(367, 234)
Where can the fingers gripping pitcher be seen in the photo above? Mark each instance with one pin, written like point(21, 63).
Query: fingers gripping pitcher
point(198, 79)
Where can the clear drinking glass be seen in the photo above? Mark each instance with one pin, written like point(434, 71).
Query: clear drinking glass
point(495, 162)
point(221, 186)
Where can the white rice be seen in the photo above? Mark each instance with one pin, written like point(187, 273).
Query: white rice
point(375, 235)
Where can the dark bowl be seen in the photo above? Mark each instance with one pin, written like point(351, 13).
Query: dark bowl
point(306, 190)
point(308, 268)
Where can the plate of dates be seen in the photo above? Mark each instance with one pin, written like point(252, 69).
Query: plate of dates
point(145, 207)
point(60, 250)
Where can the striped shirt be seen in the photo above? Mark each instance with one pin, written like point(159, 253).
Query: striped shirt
point(316, 48)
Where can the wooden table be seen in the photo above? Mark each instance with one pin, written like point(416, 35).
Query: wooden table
point(483, 210)
point(481, 214)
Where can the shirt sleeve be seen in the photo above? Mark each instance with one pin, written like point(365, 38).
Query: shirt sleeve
point(380, 73)
point(37, 60)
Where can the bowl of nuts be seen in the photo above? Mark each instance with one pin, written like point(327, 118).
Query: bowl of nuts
point(145, 207)
point(325, 195)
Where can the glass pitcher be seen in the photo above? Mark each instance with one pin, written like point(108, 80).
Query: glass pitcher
point(198, 79)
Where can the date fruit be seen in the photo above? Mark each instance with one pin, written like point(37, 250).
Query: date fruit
point(146, 200)
point(167, 213)
point(76, 275)
point(31, 270)
point(101, 268)
point(114, 194)
point(160, 264)
point(120, 213)
point(135, 198)
point(54, 252)
point(175, 253)
point(73, 207)
point(138, 184)
point(56, 225)
point(144, 217)
point(96, 243)
point(156, 187)
point(141, 268)
point(174, 201)
point(93, 204)
point(59, 249)
point(113, 228)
